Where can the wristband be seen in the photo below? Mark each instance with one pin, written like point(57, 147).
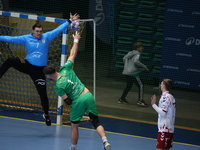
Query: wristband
point(68, 101)
point(70, 21)
point(75, 40)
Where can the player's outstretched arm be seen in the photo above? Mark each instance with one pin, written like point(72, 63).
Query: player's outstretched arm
point(74, 49)
point(13, 39)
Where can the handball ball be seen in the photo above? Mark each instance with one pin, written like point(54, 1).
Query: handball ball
point(75, 25)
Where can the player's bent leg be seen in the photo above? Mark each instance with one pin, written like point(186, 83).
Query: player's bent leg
point(15, 62)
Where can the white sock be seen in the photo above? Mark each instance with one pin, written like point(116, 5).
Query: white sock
point(74, 146)
point(104, 139)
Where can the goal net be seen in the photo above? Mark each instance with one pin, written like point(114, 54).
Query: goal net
point(17, 91)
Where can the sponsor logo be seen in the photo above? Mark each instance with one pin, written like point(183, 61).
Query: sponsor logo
point(183, 54)
point(162, 139)
point(36, 54)
point(174, 104)
point(195, 13)
point(172, 39)
point(193, 70)
point(40, 81)
point(175, 10)
point(186, 26)
point(192, 41)
point(171, 67)
point(100, 17)
point(182, 82)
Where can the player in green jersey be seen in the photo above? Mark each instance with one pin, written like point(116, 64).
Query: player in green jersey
point(74, 93)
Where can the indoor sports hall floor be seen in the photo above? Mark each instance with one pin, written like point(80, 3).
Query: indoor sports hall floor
point(26, 131)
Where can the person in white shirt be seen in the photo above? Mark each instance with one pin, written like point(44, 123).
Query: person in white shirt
point(166, 110)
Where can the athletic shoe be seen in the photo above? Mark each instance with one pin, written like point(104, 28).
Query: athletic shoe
point(122, 101)
point(47, 119)
point(72, 148)
point(142, 103)
point(107, 146)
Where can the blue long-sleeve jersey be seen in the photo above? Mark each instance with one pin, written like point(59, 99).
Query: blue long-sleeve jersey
point(36, 49)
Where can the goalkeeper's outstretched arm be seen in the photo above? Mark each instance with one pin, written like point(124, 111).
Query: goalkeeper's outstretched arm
point(52, 34)
point(74, 49)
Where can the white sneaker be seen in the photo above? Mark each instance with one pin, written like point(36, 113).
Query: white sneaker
point(107, 146)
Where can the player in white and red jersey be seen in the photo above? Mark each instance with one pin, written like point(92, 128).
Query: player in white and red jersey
point(166, 116)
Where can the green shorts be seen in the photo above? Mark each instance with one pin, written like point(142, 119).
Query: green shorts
point(81, 105)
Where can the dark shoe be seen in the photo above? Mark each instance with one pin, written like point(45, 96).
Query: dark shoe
point(72, 148)
point(122, 101)
point(106, 146)
point(142, 103)
point(47, 118)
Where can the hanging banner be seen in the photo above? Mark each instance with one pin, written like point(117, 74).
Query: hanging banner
point(98, 10)
point(181, 43)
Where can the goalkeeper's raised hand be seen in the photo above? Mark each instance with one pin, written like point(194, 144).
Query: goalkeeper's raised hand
point(74, 17)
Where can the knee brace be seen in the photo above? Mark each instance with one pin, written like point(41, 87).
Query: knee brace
point(95, 120)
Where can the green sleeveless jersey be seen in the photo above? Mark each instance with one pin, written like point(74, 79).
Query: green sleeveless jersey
point(68, 83)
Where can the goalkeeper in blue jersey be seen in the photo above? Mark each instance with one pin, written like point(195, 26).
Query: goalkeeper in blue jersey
point(74, 93)
point(36, 44)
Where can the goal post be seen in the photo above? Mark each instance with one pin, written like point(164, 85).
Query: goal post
point(10, 91)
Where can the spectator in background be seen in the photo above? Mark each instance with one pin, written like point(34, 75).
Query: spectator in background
point(131, 70)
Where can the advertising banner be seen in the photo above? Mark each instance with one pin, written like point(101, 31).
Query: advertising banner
point(99, 10)
point(181, 43)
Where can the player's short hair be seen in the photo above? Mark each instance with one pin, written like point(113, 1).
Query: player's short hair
point(138, 45)
point(49, 70)
point(37, 25)
point(168, 84)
